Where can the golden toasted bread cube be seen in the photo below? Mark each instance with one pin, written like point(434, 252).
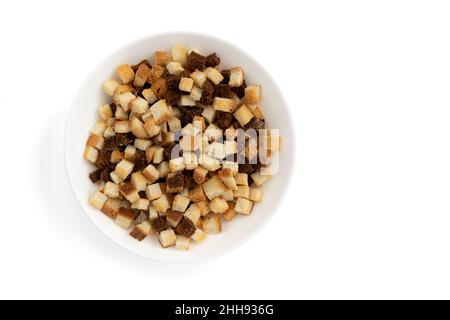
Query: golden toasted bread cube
point(109, 131)
point(213, 75)
point(119, 91)
point(95, 141)
point(218, 205)
point(155, 73)
point(153, 191)
point(161, 58)
point(180, 203)
point(151, 127)
point(200, 175)
point(213, 133)
point(111, 189)
point(213, 188)
point(198, 235)
point(256, 194)
point(242, 192)
point(139, 181)
point(111, 207)
point(230, 213)
point(152, 213)
point(257, 112)
point(223, 104)
point(115, 177)
point(142, 230)
point(179, 54)
point(233, 166)
point(212, 224)
point(141, 204)
point(190, 160)
point(182, 243)
point(176, 164)
point(90, 154)
point(199, 78)
point(259, 179)
point(161, 204)
point(137, 128)
point(121, 114)
point(236, 77)
point(98, 199)
point(163, 169)
point(241, 179)
point(196, 194)
point(204, 207)
point(125, 73)
point(226, 176)
point(130, 192)
point(139, 105)
point(142, 144)
point(215, 150)
point(105, 112)
point(243, 206)
point(174, 124)
point(124, 218)
point(158, 155)
point(122, 126)
point(175, 68)
point(98, 128)
point(252, 94)
point(167, 238)
point(124, 168)
point(109, 87)
point(209, 113)
point(193, 213)
point(149, 95)
point(130, 152)
point(186, 84)
point(196, 93)
point(160, 111)
point(209, 163)
point(116, 156)
point(186, 101)
point(141, 76)
point(174, 218)
point(227, 195)
point(150, 173)
point(125, 100)
point(243, 115)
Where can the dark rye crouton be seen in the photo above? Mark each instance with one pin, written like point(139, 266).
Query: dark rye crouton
point(223, 91)
point(136, 66)
point(172, 81)
point(246, 168)
point(95, 175)
point(196, 61)
point(104, 159)
point(172, 97)
point(189, 179)
point(226, 76)
point(212, 60)
point(185, 228)
point(175, 182)
point(139, 215)
point(123, 139)
point(223, 119)
point(240, 91)
point(113, 108)
point(139, 161)
point(255, 124)
point(207, 93)
point(159, 224)
point(106, 174)
point(159, 87)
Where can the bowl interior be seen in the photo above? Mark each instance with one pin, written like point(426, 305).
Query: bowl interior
point(83, 114)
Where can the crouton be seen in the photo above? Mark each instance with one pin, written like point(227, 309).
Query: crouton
point(236, 77)
point(142, 144)
point(141, 76)
point(259, 179)
point(109, 87)
point(199, 78)
point(167, 238)
point(211, 224)
point(182, 243)
point(256, 110)
point(213, 75)
point(200, 175)
point(159, 87)
point(204, 207)
point(242, 192)
point(226, 176)
point(122, 126)
point(130, 192)
point(121, 114)
point(161, 58)
point(179, 54)
point(186, 84)
point(91, 154)
point(160, 112)
point(175, 68)
point(252, 94)
point(213, 133)
point(243, 115)
point(174, 218)
point(98, 128)
point(196, 93)
point(98, 199)
point(218, 205)
point(104, 111)
point(186, 101)
point(111, 208)
point(209, 163)
point(139, 105)
point(176, 164)
point(243, 206)
point(149, 95)
point(198, 235)
point(256, 194)
point(233, 166)
point(215, 150)
point(137, 128)
point(155, 73)
point(95, 141)
point(241, 179)
point(209, 113)
point(163, 169)
point(142, 230)
point(151, 127)
point(223, 104)
point(111, 189)
point(139, 181)
point(125, 73)
point(130, 152)
point(174, 124)
point(230, 213)
point(141, 204)
point(150, 173)
point(213, 188)
point(109, 132)
point(180, 203)
point(161, 204)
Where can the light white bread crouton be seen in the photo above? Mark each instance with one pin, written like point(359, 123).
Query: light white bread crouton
point(198, 235)
point(186, 101)
point(196, 194)
point(215, 150)
point(236, 77)
point(199, 124)
point(200, 175)
point(180, 203)
point(141, 204)
point(153, 191)
point(223, 104)
point(149, 95)
point(242, 192)
point(139, 105)
point(116, 156)
point(252, 94)
point(161, 58)
point(98, 128)
point(121, 89)
point(151, 127)
point(160, 111)
point(111, 189)
point(174, 67)
point(196, 93)
point(125, 100)
point(176, 164)
point(142, 230)
point(141, 76)
point(190, 160)
point(227, 195)
point(124, 218)
point(161, 204)
point(137, 128)
point(152, 213)
point(259, 179)
point(167, 238)
point(174, 124)
point(213, 133)
point(104, 111)
point(142, 144)
point(179, 54)
point(257, 112)
point(243, 115)
point(218, 205)
point(209, 163)
point(90, 154)
point(213, 188)
point(193, 213)
point(122, 126)
point(163, 169)
point(158, 155)
point(95, 141)
point(209, 113)
point(174, 218)
point(204, 207)
point(109, 87)
point(130, 192)
point(109, 132)
point(230, 147)
point(115, 177)
point(213, 75)
point(150, 173)
point(121, 114)
point(111, 207)
point(230, 213)
point(243, 206)
point(256, 194)
point(233, 166)
point(241, 179)
point(139, 181)
point(182, 243)
point(130, 152)
point(211, 224)
point(226, 176)
point(124, 168)
point(98, 199)
point(199, 78)
point(125, 73)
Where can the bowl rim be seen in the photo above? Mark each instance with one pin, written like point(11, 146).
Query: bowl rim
point(256, 229)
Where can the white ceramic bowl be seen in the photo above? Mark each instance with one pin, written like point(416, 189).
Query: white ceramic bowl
point(83, 114)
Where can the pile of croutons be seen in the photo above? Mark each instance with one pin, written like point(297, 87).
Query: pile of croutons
point(179, 146)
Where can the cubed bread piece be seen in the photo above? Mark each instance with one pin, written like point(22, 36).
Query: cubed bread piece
point(139, 105)
point(196, 93)
point(174, 218)
point(150, 173)
point(259, 179)
point(111, 208)
point(218, 205)
point(243, 115)
point(204, 207)
point(256, 194)
point(193, 213)
point(179, 54)
point(176, 164)
point(160, 112)
point(124, 218)
point(152, 213)
point(141, 76)
point(186, 84)
point(120, 114)
point(151, 127)
point(182, 243)
point(197, 194)
point(199, 78)
point(223, 104)
point(159, 87)
point(256, 110)
point(149, 95)
point(215, 150)
point(200, 175)
point(174, 124)
point(125, 73)
point(227, 195)
point(124, 168)
point(116, 156)
point(98, 128)
point(236, 77)
point(163, 169)
point(243, 206)
point(190, 160)
point(161, 204)
point(141, 204)
point(129, 152)
point(175, 182)
point(122, 126)
point(230, 213)
point(242, 192)
point(230, 134)
point(90, 154)
point(98, 199)
point(234, 166)
point(230, 148)
point(213, 75)
point(199, 124)
point(241, 179)
point(142, 144)
point(139, 181)
point(209, 113)
point(120, 90)
point(198, 235)
point(213, 188)
point(186, 101)
point(167, 238)
point(137, 128)
point(161, 58)
point(115, 177)
point(130, 192)
point(180, 203)
point(209, 163)
point(155, 73)
point(111, 189)
point(109, 87)
point(175, 68)
point(109, 132)
point(125, 100)
point(142, 230)
point(226, 176)
point(252, 94)
point(104, 111)
point(95, 141)
point(158, 154)
point(153, 191)
point(213, 133)
point(211, 223)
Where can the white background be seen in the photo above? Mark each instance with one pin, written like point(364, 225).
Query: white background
point(368, 214)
